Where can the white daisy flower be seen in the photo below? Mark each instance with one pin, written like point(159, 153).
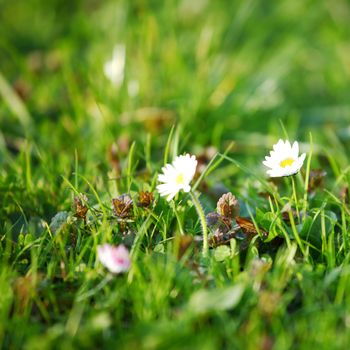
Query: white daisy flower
point(115, 259)
point(177, 176)
point(284, 160)
point(114, 68)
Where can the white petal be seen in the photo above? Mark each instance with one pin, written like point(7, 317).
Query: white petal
point(183, 166)
point(295, 149)
point(165, 189)
point(269, 163)
point(171, 196)
point(287, 147)
point(302, 158)
point(167, 169)
point(274, 173)
point(272, 154)
point(187, 188)
point(278, 146)
point(163, 178)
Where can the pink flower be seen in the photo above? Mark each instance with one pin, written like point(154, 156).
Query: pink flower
point(115, 259)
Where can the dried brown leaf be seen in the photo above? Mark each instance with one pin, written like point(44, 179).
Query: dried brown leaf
point(122, 206)
point(248, 227)
point(145, 199)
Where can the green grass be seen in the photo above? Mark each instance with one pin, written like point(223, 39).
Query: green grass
point(233, 75)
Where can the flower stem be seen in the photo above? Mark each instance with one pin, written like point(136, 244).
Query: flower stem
point(292, 222)
point(178, 219)
point(201, 215)
point(295, 198)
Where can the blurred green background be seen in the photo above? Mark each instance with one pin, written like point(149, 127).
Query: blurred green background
point(223, 69)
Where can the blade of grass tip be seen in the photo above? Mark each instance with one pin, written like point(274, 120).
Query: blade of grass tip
point(176, 142)
point(21, 210)
point(212, 166)
point(296, 233)
point(343, 174)
point(15, 104)
point(284, 129)
point(91, 188)
point(333, 163)
point(272, 209)
point(82, 252)
point(141, 232)
point(154, 181)
point(205, 172)
point(48, 229)
point(168, 143)
point(331, 250)
point(28, 168)
point(344, 226)
point(316, 215)
point(76, 171)
point(275, 214)
point(307, 176)
point(333, 196)
point(278, 201)
point(103, 207)
point(323, 233)
point(43, 240)
point(130, 166)
point(70, 185)
point(279, 225)
point(148, 152)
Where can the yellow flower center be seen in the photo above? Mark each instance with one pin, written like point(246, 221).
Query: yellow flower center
point(287, 162)
point(179, 179)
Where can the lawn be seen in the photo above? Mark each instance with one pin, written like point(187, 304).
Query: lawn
point(97, 97)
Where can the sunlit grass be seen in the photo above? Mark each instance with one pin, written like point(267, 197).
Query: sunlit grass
point(220, 80)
